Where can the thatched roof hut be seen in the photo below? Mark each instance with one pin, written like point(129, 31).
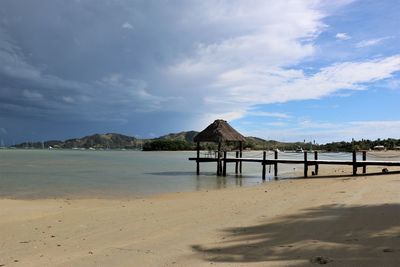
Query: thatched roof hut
point(219, 131)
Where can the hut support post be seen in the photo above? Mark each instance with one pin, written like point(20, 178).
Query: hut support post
point(354, 163)
point(305, 165)
point(263, 165)
point(240, 155)
point(316, 164)
point(219, 159)
point(197, 161)
point(276, 165)
point(237, 163)
point(224, 168)
point(364, 158)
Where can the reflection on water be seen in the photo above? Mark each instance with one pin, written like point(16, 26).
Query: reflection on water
point(71, 173)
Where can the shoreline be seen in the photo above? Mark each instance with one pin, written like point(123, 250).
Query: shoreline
point(116, 181)
point(348, 220)
point(326, 172)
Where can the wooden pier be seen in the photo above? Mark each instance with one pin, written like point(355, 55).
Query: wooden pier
point(306, 162)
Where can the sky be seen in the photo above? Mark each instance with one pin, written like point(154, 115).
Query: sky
point(285, 70)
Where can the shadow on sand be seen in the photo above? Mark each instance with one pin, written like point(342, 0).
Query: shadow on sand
point(341, 235)
point(343, 175)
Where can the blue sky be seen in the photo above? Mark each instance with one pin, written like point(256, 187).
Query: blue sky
point(284, 70)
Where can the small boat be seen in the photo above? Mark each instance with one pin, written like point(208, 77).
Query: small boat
point(299, 150)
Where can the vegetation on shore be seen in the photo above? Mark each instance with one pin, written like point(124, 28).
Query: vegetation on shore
point(167, 145)
point(184, 141)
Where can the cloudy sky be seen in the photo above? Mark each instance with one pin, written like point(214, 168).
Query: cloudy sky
point(284, 70)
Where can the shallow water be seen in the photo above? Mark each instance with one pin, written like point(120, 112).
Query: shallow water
point(107, 174)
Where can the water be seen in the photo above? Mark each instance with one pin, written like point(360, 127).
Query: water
point(107, 174)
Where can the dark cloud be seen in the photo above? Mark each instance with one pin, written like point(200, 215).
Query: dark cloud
point(141, 67)
point(88, 61)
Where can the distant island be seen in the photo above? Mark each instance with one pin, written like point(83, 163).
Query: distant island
point(184, 141)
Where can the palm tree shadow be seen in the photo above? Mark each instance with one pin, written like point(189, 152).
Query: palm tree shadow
point(349, 236)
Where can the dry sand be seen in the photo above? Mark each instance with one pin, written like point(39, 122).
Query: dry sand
point(344, 221)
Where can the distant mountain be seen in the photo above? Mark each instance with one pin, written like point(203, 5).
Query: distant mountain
point(182, 136)
point(97, 141)
point(172, 141)
point(109, 140)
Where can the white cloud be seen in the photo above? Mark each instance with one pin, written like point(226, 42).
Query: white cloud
point(204, 119)
point(373, 129)
point(277, 124)
point(242, 89)
point(393, 84)
point(127, 26)
point(371, 42)
point(324, 132)
point(268, 114)
point(255, 66)
point(365, 130)
point(249, 86)
point(342, 36)
point(276, 33)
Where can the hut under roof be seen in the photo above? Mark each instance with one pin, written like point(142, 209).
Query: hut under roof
point(219, 132)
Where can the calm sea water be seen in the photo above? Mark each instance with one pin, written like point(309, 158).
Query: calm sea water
point(108, 174)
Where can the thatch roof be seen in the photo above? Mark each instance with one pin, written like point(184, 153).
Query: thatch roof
point(218, 131)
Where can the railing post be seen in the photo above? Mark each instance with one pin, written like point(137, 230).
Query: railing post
point(219, 160)
point(316, 164)
point(240, 155)
point(354, 162)
point(237, 163)
point(364, 158)
point(197, 161)
point(224, 168)
point(276, 165)
point(263, 165)
point(305, 165)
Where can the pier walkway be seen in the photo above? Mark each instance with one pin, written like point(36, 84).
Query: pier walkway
point(315, 162)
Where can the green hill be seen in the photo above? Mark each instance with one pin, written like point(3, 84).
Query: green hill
point(109, 140)
point(96, 141)
point(184, 141)
point(182, 136)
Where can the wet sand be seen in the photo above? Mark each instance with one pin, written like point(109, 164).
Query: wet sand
point(342, 221)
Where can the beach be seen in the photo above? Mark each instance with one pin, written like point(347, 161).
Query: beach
point(341, 221)
point(199, 133)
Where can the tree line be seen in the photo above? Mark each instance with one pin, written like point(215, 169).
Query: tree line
point(259, 144)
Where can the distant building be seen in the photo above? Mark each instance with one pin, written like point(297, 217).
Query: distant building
point(379, 148)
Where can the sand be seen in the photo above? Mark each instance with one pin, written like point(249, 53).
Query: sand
point(341, 221)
